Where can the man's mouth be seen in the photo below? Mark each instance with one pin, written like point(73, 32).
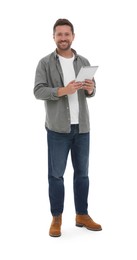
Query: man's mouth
point(63, 42)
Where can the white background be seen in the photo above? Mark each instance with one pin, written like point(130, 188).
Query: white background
point(106, 35)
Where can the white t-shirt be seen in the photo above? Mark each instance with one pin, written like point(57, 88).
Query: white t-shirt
point(69, 75)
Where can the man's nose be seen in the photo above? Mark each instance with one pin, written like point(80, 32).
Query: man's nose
point(63, 37)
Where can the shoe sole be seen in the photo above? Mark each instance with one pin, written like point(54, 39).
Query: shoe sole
point(55, 235)
point(81, 225)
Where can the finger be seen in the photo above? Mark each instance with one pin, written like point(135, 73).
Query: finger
point(72, 82)
point(78, 84)
point(88, 80)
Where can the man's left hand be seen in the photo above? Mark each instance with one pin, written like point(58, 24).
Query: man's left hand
point(88, 85)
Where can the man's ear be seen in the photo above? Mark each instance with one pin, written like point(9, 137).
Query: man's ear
point(73, 36)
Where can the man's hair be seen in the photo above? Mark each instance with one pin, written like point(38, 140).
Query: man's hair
point(63, 22)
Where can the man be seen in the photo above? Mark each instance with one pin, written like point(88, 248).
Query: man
point(67, 124)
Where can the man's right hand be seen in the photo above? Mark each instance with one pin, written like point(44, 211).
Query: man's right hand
point(71, 88)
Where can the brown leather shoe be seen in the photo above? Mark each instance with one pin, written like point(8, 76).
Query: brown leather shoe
point(87, 222)
point(55, 228)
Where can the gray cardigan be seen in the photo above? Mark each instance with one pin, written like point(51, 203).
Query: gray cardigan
point(48, 79)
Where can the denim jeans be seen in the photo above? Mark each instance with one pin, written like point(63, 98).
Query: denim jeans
point(59, 145)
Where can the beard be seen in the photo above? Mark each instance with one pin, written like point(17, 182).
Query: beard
point(63, 45)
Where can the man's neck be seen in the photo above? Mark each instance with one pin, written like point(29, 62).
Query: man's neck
point(65, 53)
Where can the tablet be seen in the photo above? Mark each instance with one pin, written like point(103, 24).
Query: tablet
point(86, 72)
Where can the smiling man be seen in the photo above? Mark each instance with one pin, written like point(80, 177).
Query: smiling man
point(67, 124)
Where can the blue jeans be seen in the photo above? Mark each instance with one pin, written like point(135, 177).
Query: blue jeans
point(59, 145)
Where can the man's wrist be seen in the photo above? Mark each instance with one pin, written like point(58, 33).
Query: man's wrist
point(61, 91)
point(90, 91)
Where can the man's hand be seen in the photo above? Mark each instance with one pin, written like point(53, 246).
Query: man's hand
point(88, 85)
point(71, 88)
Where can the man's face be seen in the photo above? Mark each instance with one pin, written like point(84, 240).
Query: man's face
point(63, 37)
